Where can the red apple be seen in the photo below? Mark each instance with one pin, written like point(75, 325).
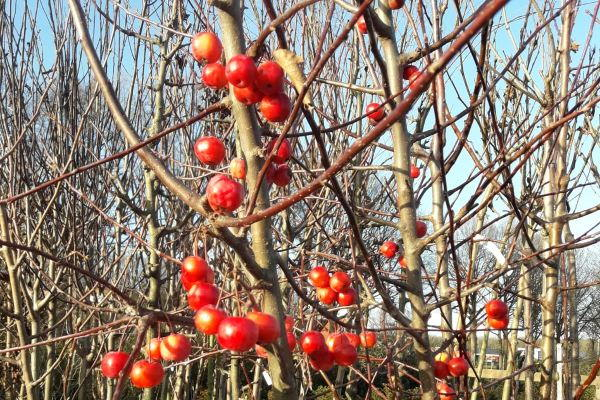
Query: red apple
point(175, 347)
point(283, 153)
point(346, 298)
point(496, 309)
point(312, 341)
point(146, 374)
point(388, 249)
point(208, 318)
point(326, 295)
point(153, 349)
point(322, 360)
point(202, 294)
point(368, 339)
point(458, 366)
point(247, 95)
point(402, 261)
point(213, 76)
point(420, 229)
point(269, 78)
point(210, 150)
point(112, 363)
point(276, 107)
point(335, 341)
point(241, 71)
point(374, 112)
point(237, 334)
point(319, 277)
point(224, 194)
point(440, 369)
point(289, 323)
point(353, 338)
point(187, 281)
point(414, 171)
point(237, 168)
point(206, 46)
point(268, 326)
point(340, 281)
point(291, 339)
point(395, 4)
point(498, 323)
point(409, 71)
point(345, 355)
point(445, 391)
point(361, 24)
point(282, 176)
point(196, 268)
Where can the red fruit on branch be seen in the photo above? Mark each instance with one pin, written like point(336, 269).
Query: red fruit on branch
point(312, 341)
point(412, 81)
point(322, 360)
point(269, 78)
point(414, 171)
point(268, 326)
point(345, 355)
point(175, 347)
point(237, 334)
point(340, 281)
point(275, 107)
point(445, 391)
point(319, 277)
point(241, 71)
point(420, 229)
point(353, 338)
point(112, 363)
point(374, 112)
point(213, 76)
point(247, 95)
point(395, 4)
point(283, 153)
point(289, 323)
point(409, 71)
point(206, 46)
point(196, 268)
point(440, 369)
point(210, 150)
point(368, 339)
point(496, 309)
point(153, 349)
point(291, 339)
point(224, 194)
point(326, 295)
point(498, 323)
point(402, 261)
point(335, 341)
point(361, 24)
point(282, 176)
point(146, 374)
point(187, 281)
point(237, 168)
point(458, 366)
point(202, 294)
point(208, 319)
point(388, 249)
point(347, 298)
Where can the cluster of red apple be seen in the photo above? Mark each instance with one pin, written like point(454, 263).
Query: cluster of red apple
point(497, 314)
point(325, 349)
point(251, 85)
point(332, 288)
point(389, 249)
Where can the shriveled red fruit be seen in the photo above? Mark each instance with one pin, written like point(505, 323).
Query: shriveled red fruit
point(175, 347)
point(153, 349)
point(146, 374)
point(283, 175)
point(241, 71)
point(414, 171)
point(289, 323)
point(445, 391)
point(395, 4)
point(237, 334)
point(402, 261)
point(312, 341)
point(353, 338)
point(269, 78)
point(208, 318)
point(283, 153)
point(409, 71)
point(345, 355)
point(237, 168)
point(224, 194)
point(420, 229)
point(496, 309)
point(321, 360)
point(374, 112)
point(326, 295)
point(340, 281)
point(440, 369)
point(368, 339)
point(213, 76)
point(388, 249)
point(206, 46)
point(291, 339)
point(247, 95)
point(458, 366)
point(347, 297)
point(268, 326)
point(319, 277)
point(196, 268)
point(202, 294)
point(335, 341)
point(210, 150)
point(498, 323)
point(112, 363)
point(275, 107)
point(361, 24)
